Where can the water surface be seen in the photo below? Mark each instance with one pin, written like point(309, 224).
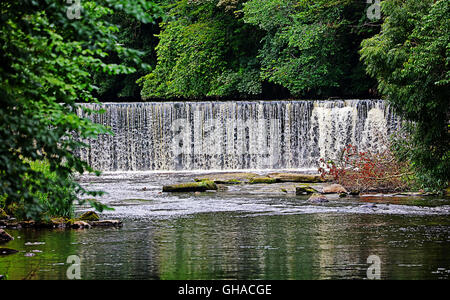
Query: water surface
point(247, 232)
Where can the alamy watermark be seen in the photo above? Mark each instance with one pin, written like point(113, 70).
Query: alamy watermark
point(374, 270)
point(74, 270)
point(374, 10)
point(74, 10)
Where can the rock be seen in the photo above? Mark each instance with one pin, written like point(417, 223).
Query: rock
point(266, 180)
point(2, 277)
point(58, 222)
point(342, 195)
point(80, 225)
point(354, 192)
point(318, 198)
point(5, 237)
point(106, 223)
point(6, 251)
point(290, 177)
point(334, 189)
point(89, 216)
point(305, 190)
point(27, 224)
point(3, 215)
point(222, 187)
point(230, 181)
point(199, 186)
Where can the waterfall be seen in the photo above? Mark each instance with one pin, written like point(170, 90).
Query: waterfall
point(233, 135)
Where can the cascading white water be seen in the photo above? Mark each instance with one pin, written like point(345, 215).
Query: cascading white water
point(233, 135)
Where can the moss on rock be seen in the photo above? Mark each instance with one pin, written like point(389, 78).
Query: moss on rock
point(89, 216)
point(3, 215)
point(305, 190)
point(267, 180)
point(199, 186)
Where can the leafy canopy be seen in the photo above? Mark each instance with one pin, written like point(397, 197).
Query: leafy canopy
point(410, 60)
point(46, 64)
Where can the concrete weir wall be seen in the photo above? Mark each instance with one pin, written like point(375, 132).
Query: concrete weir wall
point(233, 135)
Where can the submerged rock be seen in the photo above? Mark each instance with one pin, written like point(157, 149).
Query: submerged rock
point(334, 189)
point(5, 237)
point(318, 198)
point(89, 216)
point(230, 181)
point(199, 186)
point(6, 251)
point(291, 177)
point(305, 190)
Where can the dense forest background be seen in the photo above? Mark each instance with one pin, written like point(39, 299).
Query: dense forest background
point(246, 49)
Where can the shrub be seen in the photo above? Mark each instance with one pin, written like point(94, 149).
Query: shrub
point(366, 171)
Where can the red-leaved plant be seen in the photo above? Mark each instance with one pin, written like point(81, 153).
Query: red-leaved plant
point(365, 171)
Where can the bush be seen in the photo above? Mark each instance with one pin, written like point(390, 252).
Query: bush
point(366, 171)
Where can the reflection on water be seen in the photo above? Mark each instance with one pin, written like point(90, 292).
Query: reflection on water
point(246, 232)
point(234, 246)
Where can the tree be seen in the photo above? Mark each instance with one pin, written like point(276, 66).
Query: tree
point(205, 49)
point(409, 59)
point(49, 51)
point(311, 47)
point(136, 35)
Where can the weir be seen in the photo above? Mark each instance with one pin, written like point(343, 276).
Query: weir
point(234, 135)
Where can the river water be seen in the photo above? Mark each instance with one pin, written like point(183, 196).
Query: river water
point(246, 232)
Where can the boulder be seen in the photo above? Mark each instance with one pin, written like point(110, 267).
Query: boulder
point(89, 216)
point(258, 180)
point(354, 192)
point(318, 198)
point(305, 190)
point(80, 225)
point(5, 237)
point(334, 189)
point(199, 186)
point(291, 177)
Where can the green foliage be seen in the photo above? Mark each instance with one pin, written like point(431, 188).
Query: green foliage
point(136, 35)
point(409, 58)
point(235, 48)
point(45, 71)
point(204, 50)
point(311, 46)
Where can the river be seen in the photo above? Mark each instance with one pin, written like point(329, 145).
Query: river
point(246, 232)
